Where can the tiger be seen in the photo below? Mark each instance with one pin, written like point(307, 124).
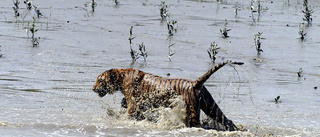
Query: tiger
point(143, 91)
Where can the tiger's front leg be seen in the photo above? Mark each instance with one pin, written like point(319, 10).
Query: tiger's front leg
point(133, 107)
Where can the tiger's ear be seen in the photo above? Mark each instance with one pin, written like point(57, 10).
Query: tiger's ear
point(117, 74)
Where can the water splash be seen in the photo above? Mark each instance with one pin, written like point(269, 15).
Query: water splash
point(156, 118)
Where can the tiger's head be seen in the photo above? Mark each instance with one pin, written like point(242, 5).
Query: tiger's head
point(107, 82)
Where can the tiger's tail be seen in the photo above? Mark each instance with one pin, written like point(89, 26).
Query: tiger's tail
point(199, 82)
point(210, 108)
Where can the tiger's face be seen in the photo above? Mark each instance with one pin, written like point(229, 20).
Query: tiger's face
point(104, 84)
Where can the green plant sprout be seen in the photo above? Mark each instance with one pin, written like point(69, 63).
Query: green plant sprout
point(171, 51)
point(16, 12)
point(170, 25)
point(163, 10)
point(277, 99)
point(28, 4)
point(36, 9)
point(300, 73)
point(257, 43)
point(301, 32)
point(307, 12)
point(16, 8)
point(35, 41)
point(213, 51)
point(224, 31)
point(116, 2)
point(134, 54)
point(16, 3)
point(143, 53)
point(142, 49)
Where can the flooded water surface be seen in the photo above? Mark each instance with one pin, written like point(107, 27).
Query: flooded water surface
point(47, 90)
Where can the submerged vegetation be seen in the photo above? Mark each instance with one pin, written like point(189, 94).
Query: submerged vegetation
point(224, 31)
point(257, 43)
point(213, 51)
point(16, 4)
point(171, 28)
point(171, 52)
point(143, 52)
point(16, 8)
point(33, 30)
point(36, 9)
point(16, 12)
point(93, 5)
point(277, 99)
point(116, 2)
point(300, 73)
point(301, 32)
point(142, 48)
point(254, 9)
point(163, 10)
point(307, 12)
point(28, 4)
point(134, 54)
point(35, 40)
point(236, 8)
point(165, 16)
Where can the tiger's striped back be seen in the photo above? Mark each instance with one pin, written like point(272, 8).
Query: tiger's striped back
point(155, 86)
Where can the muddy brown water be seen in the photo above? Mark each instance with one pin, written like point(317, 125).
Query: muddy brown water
point(46, 91)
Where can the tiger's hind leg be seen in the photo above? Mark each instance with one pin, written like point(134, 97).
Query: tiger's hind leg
point(211, 108)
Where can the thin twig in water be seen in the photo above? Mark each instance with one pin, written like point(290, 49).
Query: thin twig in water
point(171, 52)
point(236, 8)
point(93, 5)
